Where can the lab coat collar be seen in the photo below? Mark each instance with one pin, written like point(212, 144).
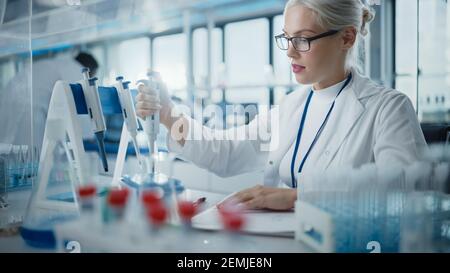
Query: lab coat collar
point(348, 110)
point(362, 86)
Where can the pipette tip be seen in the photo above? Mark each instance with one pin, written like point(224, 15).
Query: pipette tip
point(100, 136)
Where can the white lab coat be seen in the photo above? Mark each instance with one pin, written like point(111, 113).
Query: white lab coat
point(370, 123)
point(20, 113)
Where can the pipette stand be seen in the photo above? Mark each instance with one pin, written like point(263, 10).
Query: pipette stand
point(121, 154)
point(66, 103)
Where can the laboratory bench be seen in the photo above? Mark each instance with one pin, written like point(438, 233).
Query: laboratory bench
point(195, 240)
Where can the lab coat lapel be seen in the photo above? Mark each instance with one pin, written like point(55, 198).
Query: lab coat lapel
point(348, 110)
point(287, 133)
point(288, 130)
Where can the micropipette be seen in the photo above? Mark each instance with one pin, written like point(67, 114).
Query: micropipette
point(95, 112)
point(129, 114)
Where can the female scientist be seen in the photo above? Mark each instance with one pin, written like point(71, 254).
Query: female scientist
point(340, 118)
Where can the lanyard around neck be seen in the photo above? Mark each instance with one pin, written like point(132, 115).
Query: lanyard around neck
point(300, 131)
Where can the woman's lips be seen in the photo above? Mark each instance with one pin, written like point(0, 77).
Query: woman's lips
point(297, 68)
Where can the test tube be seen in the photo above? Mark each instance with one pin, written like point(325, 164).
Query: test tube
point(86, 197)
point(157, 215)
point(117, 200)
point(150, 198)
point(86, 200)
point(186, 210)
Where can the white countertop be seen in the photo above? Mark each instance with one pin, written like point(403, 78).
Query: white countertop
point(193, 241)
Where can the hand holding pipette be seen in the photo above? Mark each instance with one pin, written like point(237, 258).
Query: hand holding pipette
point(153, 106)
point(150, 101)
point(150, 87)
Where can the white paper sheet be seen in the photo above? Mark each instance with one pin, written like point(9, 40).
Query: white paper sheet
point(256, 221)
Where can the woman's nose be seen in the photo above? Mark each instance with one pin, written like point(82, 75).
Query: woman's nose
point(292, 52)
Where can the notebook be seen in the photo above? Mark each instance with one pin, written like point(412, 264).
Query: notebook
point(262, 222)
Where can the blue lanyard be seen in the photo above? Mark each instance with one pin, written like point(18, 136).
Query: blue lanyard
point(300, 131)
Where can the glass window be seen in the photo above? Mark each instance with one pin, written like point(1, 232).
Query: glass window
point(434, 61)
point(247, 57)
point(281, 63)
point(200, 51)
point(134, 58)
point(169, 53)
point(423, 56)
point(406, 48)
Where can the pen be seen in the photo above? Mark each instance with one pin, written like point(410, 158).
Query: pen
point(200, 201)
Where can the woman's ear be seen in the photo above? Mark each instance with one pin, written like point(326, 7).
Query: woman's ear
point(348, 37)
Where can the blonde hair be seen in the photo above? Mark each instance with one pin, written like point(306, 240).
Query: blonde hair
point(339, 14)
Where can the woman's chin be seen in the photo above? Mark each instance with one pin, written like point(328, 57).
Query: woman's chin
point(302, 79)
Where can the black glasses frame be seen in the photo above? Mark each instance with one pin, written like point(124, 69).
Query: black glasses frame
point(308, 39)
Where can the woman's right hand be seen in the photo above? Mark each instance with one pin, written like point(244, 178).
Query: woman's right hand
point(148, 102)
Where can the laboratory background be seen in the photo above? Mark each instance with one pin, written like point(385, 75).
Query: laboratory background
point(92, 53)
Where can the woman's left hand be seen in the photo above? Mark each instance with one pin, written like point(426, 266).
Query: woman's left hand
point(260, 197)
